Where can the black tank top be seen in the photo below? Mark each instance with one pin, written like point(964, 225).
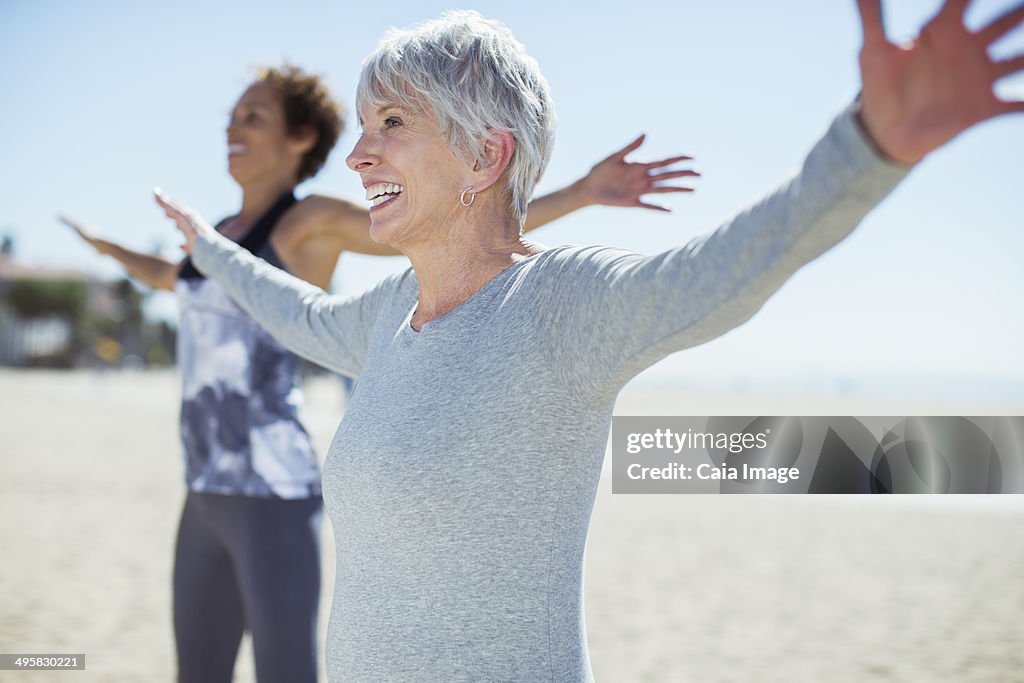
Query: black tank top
point(254, 239)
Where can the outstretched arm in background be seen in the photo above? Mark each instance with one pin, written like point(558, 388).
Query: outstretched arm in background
point(153, 270)
point(613, 181)
point(329, 226)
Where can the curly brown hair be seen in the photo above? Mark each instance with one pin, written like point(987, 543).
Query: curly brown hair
point(307, 103)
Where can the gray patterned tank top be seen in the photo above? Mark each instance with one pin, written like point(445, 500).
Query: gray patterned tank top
point(242, 391)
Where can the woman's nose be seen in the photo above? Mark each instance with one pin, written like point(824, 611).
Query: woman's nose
point(361, 158)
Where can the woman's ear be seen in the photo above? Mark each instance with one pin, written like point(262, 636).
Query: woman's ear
point(305, 139)
point(497, 154)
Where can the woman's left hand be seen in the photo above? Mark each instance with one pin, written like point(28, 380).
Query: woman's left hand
point(190, 223)
point(920, 95)
point(617, 182)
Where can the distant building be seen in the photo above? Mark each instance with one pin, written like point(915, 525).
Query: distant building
point(62, 317)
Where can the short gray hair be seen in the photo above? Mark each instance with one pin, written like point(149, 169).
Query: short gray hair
point(474, 77)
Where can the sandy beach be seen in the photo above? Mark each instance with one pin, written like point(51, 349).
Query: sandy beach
point(679, 588)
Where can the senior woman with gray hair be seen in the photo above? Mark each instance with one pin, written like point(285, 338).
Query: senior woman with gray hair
point(461, 480)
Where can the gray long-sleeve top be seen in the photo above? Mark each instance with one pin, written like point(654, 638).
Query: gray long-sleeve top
point(461, 481)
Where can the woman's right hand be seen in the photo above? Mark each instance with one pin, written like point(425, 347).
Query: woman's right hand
point(190, 223)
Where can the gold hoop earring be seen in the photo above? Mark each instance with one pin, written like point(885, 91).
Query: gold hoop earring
point(462, 197)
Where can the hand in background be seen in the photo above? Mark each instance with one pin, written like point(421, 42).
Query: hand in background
point(617, 182)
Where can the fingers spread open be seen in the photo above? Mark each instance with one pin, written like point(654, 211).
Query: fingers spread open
point(1003, 25)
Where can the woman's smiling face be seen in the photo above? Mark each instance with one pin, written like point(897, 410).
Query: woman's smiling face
point(410, 173)
point(258, 139)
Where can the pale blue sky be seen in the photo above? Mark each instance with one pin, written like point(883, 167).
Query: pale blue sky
point(104, 100)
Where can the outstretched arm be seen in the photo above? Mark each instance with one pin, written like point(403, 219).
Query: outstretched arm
point(152, 270)
point(328, 330)
point(916, 97)
point(611, 182)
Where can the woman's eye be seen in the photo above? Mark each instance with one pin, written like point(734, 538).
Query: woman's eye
point(391, 122)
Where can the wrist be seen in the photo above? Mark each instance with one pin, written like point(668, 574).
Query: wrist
point(580, 195)
point(874, 134)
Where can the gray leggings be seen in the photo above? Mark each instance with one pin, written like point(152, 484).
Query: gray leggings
point(247, 564)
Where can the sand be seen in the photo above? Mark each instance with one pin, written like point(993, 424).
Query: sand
point(679, 588)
